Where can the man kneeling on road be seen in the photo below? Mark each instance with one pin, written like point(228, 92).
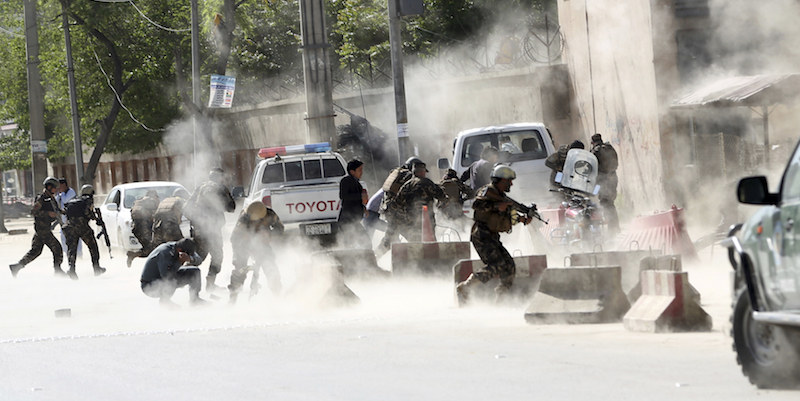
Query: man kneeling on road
point(163, 272)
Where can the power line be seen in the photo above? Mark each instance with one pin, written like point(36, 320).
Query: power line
point(144, 16)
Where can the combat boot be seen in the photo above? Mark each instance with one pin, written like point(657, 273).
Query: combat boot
point(463, 289)
point(15, 268)
point(59, 272)
point(99, 270)
point(72, 274)
point(131, 257)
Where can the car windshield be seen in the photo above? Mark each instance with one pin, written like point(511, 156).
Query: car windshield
point(132, 194)
point(513, 146)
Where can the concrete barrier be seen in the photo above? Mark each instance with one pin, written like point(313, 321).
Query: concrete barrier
point(628, 261)
point(526, 281)
point(662, 230)
point(666, 305)
point(427, 258)
point(358, 263)
point(664, 263)
point(578, 295)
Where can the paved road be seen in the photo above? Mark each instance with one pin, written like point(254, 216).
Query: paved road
point(405, 340)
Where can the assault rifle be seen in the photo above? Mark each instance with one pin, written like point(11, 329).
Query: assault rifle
point(58, 211)
point(529, 211)
point(103, 230)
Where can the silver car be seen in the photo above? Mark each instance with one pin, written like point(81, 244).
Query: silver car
point(116, 210)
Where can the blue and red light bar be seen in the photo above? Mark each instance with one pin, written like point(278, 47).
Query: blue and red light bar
point(294, 150)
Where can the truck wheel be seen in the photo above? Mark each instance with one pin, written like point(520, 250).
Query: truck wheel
point(769, 354)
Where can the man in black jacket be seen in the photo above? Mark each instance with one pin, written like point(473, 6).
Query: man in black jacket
point(353, 198)
point(163, 272)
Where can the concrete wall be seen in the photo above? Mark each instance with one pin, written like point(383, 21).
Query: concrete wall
point(615, 90)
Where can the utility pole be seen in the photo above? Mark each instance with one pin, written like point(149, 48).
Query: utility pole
point(35, 98)
point(73, 100)
point(195, 85)
point(396, 50)
point(317, 73)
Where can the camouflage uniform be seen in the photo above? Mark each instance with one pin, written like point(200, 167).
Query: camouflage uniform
point(489, 223)
point(167, 221)
point(400, 175)
point(556, 163)
point(252, 239)
point(407, 208)
point(208, 205)
point(79, 211)
point(457, 192)
point(42, 222)
point(607, 163)
point(142, 214)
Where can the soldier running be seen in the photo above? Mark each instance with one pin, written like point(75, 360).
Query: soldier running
point(391, 186)
point(79, 211)
point(45, 212)
point(167, 218)
point(142, 214)
point(417, 192)
point(208, 205)
point(251, 237)
point(492, 216)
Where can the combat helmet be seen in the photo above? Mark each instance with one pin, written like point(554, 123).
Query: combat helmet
point(50, 181)
point(87, 190)
point(256, 211)
point(409, 164)
point(503, 172)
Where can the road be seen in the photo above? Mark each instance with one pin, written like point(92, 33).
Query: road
point(404, 340)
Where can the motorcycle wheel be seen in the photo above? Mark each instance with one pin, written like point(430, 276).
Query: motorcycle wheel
point(769, 354)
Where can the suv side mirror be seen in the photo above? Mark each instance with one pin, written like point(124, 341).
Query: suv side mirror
point(443, 164)
point(237, 192)
point(755, 191)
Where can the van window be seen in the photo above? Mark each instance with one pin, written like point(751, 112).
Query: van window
point(473, 146)
point(294, 171)
point(332, 168)
point(273, 173)
point(313, 169)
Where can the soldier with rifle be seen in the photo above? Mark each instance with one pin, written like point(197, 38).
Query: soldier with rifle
point(494, 213)
point(45, 211)
point(79, 211)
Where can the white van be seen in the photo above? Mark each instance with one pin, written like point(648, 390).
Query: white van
point(523, 146)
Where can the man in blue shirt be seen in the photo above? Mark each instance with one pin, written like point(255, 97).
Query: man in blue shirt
point(164, 272)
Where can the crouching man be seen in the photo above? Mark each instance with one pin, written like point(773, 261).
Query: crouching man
point(164, 272)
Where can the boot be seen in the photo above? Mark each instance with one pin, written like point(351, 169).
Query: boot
point(72, 274)
point(99, 270)
point(59, 272)
point(15, 268)
point(463, 289)
point(131, 257)
point(210, 286)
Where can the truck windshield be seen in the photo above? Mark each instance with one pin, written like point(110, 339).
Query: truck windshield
point(300, 170)
point(513, 146)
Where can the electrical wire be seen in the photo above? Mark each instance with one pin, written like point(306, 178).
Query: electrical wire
point(108, 80)
point(144, 16)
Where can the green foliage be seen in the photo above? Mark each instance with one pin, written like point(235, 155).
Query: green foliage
point(15, 151)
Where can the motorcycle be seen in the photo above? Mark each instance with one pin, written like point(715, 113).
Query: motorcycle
point(583, 230)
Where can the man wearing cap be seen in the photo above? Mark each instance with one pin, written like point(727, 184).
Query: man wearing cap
point(142, 214)
point(607, 163)
point(164, 272)
point(492, 216)
point(256, 228)
point(419, 191)
point(65, 193)
point(206, 209)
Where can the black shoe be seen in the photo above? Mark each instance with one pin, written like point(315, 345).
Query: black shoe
point(59, 272)
point(71, 273)
point(99, 270)
point(15, 268)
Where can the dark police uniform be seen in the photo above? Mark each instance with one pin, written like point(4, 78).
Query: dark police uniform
point(80, 211)
point(42, 221)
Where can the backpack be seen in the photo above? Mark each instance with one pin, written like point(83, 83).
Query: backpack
point(607, 161)
point(75, 207)
point(395, 180)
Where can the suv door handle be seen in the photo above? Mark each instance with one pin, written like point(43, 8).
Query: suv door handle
point(789, 224)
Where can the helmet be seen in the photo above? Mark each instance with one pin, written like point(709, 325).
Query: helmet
point(181, 193)
point(50, 181)
point(409, 164)
point(87, 190)
point(256, 211)
point(503, 172)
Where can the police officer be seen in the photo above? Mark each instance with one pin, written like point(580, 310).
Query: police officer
point(65, 193)
point(79, 211)
point(45, 211)
point(251, 237)
point(607, 163)
point(492, 216)
point(206, 210)
point(142, 214)
point(167, 218)
point(391, 186)
point(419, 191)
point(457, 192)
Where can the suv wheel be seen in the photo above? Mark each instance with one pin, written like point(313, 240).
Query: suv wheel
point(769, 354)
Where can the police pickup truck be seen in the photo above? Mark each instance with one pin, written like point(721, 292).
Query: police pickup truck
point(523, 146)
point(301, 184)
